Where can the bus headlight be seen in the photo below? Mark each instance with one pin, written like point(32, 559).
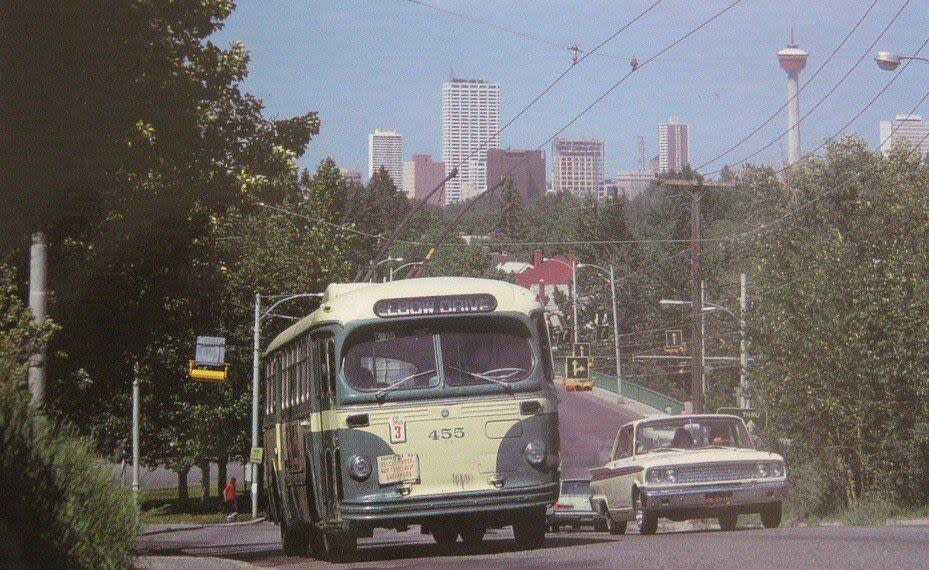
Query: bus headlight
point(360, 468)
point(535, 452)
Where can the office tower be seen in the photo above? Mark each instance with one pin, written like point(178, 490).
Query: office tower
point(352, 176)
point(525, 167)
point(673, 146)
point(912, 128)
point(421, 176)
point(577, 166)
point(385, 148)
point(470, 121)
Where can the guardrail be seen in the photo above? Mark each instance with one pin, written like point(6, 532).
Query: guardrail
point(631, 390)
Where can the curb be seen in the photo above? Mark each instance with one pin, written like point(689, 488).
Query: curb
point(202, 526)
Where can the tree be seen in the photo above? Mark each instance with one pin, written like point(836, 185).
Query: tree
point(511, 212)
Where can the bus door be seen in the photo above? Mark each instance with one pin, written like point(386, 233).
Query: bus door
point(296, 427)
point(321, 443)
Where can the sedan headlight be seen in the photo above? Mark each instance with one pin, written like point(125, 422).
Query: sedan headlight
point(761, 470)
point(653, 476)
point(360, 468)
point(776, 469)
point(670, 476)
point(535, 452)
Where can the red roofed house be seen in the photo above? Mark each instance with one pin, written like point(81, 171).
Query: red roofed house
point(546, 275)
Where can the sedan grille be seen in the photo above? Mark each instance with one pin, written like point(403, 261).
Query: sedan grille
point(708, 473)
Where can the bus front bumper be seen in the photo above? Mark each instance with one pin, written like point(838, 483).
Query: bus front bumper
point(419, 509)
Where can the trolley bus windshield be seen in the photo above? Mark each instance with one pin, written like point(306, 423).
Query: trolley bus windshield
point(385, 358)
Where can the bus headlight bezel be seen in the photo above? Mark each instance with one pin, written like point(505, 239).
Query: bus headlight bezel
point(360, 468)
point(534, 452)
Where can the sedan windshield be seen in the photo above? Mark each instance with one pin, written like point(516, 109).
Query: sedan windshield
point(691, 433)
point(472, 351)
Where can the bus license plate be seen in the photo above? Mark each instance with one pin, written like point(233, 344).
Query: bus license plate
point(398, 468)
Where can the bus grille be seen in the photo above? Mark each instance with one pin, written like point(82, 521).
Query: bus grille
point(714, 472)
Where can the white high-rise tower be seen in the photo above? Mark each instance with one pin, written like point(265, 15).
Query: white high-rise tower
point(470, 119)
point(793, 60)
point(385, 148)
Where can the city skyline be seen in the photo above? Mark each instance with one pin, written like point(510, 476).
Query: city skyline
point(470, 121)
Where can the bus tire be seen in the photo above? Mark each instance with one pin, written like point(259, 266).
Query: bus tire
point(338, 547)
point(529, 529)
point(295, 538)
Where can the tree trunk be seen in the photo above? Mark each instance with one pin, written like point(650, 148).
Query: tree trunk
point(221, 476)
point(205, 479)
point(182, 494)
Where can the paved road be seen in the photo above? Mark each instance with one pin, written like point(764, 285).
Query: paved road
point(819, 547)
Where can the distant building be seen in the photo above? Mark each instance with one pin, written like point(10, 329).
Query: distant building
point(577, 166)
point(506, 264)
point(470, 121)
point(547, 275)
point(352, 176)
point(633, 183)
point(421, 176)
point(673, 146)
point(525, 167)
point(409, 179)
point(912, 128)
point(610, 190)
point(385, 148)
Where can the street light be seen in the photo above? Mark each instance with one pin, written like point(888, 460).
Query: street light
point(612, 280)
point(889, 61)
point(386, 260)
point(393, 270)
point(277, 300)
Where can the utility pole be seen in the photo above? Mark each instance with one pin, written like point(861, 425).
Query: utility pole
point(743, 325)
point(135, 432)
point(697, 189)
point(38, 265)
point(696, 299)
point(702, 342)
point(256, 370)
point(574, 295)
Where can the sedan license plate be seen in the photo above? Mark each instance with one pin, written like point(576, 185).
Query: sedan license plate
point(717, 499)
point(398, 468)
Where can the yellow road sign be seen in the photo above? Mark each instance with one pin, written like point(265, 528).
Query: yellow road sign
point(257, 455)
point(581, 349)
point(577, 367)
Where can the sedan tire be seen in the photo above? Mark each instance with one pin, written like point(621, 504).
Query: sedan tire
point(771, 515)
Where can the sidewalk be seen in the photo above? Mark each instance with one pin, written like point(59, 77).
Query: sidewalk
point(633, 406)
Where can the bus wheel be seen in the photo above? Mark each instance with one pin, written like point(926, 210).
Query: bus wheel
point(338, 547)
point(472, 535)
point(445, 536)
point(295, 538)
point(529, 529)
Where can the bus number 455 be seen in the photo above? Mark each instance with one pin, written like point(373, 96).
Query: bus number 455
point(447, 433)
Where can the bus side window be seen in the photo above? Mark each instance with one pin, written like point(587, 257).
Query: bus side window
point(545, 346)
point(330, 359)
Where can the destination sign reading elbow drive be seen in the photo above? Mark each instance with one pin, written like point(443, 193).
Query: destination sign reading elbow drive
point(435, 305)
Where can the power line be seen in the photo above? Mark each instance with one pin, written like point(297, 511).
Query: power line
point(802, 87)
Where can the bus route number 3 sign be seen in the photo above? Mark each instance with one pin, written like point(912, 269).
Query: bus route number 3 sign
point(397, 430)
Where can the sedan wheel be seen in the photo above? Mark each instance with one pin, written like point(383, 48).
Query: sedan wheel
point(646, 521)
point(728, 521)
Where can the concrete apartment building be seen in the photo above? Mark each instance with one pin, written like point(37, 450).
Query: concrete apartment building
point(673, 146)
point(421, 175)
point(911, 128)
point(470, 121)
point(385, 148)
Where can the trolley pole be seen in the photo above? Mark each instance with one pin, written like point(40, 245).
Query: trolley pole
point(702, 341)
point(256, 363)
point(38, 265)
point(743, 325)
point(619, 366)
point(135, 433)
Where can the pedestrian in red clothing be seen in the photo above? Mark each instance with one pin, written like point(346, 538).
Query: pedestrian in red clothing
point(232, 509)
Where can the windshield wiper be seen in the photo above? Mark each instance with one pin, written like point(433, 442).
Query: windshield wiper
point(495, 379)
point(383, 391)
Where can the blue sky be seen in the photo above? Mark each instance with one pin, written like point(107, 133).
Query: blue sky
point(366, 64)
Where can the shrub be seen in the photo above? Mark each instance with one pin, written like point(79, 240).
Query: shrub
point(62, 506)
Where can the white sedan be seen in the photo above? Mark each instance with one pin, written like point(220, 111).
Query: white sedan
point(687, 467)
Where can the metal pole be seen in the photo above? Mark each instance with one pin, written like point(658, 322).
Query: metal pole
point(574, 295)
point(391, 273)
point(619, 366)
point(702, 341)
point(37, 304)
point(743, 324)
point(256, 369)
point(696, 300)
point(135, 432)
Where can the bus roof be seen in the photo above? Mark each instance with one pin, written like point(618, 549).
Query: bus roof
point(347, 302)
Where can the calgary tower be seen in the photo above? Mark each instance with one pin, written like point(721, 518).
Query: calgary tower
point(792, 60)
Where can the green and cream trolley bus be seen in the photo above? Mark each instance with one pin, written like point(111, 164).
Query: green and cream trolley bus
point(417, 402)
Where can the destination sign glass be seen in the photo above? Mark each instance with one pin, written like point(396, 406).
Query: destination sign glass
point(435, 305)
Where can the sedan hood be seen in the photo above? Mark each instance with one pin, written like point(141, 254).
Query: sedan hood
point(711, 455)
